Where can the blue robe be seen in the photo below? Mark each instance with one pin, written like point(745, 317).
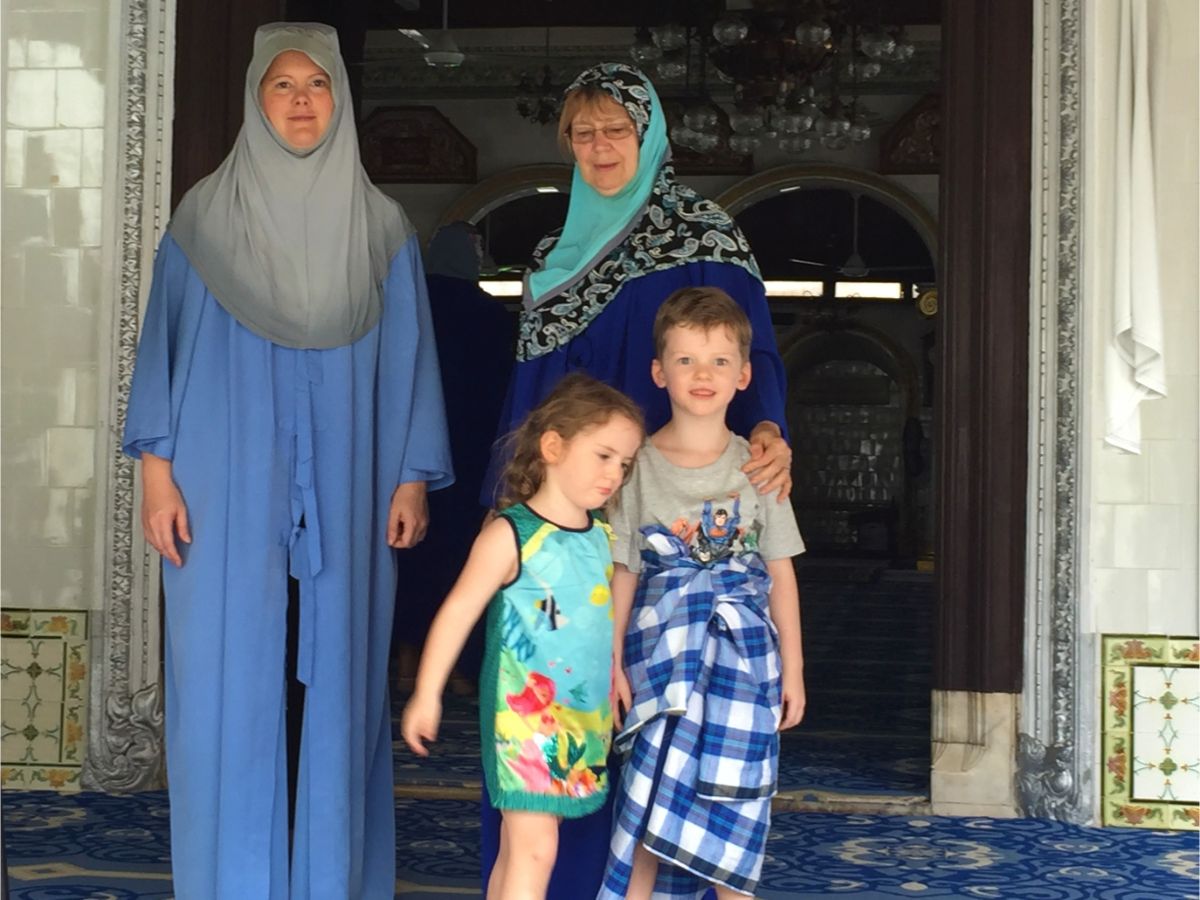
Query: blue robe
point(618, 347)
point(286, 459)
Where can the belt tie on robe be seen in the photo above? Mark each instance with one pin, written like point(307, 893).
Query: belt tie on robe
point(304, 543)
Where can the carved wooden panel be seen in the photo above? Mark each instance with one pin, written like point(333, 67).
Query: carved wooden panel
point(415, 144)
point(913, 146)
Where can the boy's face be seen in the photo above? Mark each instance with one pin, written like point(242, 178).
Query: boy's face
point(701, 370)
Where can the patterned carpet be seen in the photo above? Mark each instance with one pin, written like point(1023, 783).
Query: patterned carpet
point(64, 846)
point(866, 730)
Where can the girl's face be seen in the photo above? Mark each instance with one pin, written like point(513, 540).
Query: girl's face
point(605, 145)
point(590, 467)
point(297, 98)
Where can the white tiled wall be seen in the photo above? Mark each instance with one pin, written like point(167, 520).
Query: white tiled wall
point(56, 77)
point(1144, 543)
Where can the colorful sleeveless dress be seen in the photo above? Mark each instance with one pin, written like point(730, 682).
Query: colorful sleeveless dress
point(544, 714)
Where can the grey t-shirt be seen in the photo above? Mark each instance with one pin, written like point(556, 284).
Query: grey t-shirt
point(714, 508)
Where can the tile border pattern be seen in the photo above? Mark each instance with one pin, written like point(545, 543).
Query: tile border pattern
point(1122, 655)
point(45, 660)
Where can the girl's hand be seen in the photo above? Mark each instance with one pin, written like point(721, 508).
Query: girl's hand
point(420, 722)
point(794, 699)
point(620, 697)
point(409, 515)
point(164, 513)
point(770, 465)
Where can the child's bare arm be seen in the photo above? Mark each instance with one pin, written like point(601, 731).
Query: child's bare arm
point(493, 562)
point(624, 587)
point(785, 613)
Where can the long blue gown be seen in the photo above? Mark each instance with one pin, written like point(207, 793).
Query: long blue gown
point(618, 347)
point(287, 460)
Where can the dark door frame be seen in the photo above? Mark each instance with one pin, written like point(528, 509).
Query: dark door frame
point(982, 402)
point(983, 375)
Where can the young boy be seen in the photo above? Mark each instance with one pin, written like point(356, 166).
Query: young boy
point(707, 626)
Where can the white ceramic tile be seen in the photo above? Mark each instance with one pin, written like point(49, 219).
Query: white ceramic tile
point(1102, 535)
point(53, 158)
point(25, 460)
point(1146, 536)
point(1171, 601)
point(92, 159)
point(91, 213)
point(16, 52)
point(70, 456)
point(1118, 598)
point(65, 217)
point(86, 410)
point(30, 101)
point(1174, 417)
point(26, 218)
point(54, 274)
point(80, 98)
point(1119, 477)
point(1173, 471)
point(56, 525)
point(14, 158)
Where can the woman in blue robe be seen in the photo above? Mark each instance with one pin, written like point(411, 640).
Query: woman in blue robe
point(287, 409)
point(633, 235)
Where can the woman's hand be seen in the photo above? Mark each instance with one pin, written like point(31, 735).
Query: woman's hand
point(770, 465)
point(620, 696)
point(420, 722)
point(164, 513)
point(794, 700)
point(409, 515)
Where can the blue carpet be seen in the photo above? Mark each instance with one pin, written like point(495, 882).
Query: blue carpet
point(64, 846)
point(866, 729)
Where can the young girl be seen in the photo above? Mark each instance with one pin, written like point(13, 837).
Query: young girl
point(543, 566)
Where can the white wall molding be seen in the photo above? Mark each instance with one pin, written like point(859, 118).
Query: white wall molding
point(125, 750)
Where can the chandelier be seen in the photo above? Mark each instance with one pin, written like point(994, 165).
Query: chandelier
point(539, 101)
point(794, 70)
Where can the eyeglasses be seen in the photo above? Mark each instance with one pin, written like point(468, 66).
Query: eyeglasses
point(611, 132)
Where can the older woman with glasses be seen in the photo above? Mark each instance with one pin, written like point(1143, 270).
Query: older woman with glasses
point(633, 235)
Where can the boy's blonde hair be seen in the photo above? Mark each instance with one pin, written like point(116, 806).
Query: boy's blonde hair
point(705, 308)
point(577, 402)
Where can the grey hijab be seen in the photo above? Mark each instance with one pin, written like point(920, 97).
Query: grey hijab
point(295, 244)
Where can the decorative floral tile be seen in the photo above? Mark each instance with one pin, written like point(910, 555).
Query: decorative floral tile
point(43, 716)
point(1151, 741)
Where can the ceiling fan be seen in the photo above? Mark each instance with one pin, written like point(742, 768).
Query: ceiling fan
point(855, 266)
point(440, 49)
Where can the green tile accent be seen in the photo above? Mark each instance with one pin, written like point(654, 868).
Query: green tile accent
point(44, 680)
point(1121, 656)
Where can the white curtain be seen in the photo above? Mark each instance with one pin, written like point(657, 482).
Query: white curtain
point(1133, 357)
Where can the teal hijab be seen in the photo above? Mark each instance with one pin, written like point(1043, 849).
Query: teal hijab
point(652, 223)
point(595, 223)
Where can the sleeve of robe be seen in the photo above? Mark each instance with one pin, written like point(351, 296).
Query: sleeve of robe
point(164, 354)
point(418, 424)
point(618, 346)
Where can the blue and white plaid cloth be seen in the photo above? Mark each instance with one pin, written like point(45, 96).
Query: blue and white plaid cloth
point(702, 657)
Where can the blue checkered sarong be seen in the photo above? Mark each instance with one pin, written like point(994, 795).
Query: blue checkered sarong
point(702, 657)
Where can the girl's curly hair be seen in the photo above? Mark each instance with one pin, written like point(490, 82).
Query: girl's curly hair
point(577, 402)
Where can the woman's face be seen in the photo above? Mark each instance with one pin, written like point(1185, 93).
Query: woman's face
point(297, 99)
point(605, 144)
